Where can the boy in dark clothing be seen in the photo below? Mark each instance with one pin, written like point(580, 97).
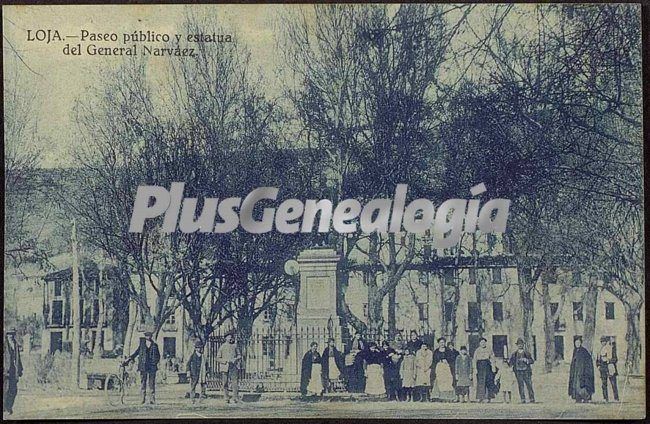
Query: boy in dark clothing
point(196, 369)
point(463, 375)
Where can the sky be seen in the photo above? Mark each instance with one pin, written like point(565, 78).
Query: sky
point(57, 81)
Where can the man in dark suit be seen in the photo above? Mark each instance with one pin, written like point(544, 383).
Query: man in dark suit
point(148, 357)
point(521, 361)
point(12, 371)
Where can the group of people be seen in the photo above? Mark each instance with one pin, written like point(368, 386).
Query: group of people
point(411, 371)
point(398, 371)
point(581, 373)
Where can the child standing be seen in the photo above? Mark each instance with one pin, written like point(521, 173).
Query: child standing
point(463, 369)
point(407, 373)
point(505, 377)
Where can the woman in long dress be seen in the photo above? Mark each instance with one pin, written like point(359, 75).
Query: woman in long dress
point(311, 377)
point(391, 365)
point(581, 374)
point(354, 365)
point(423, 364)
point(332, 364)
point(443, 379)
point(485, 369)
point(374, 373)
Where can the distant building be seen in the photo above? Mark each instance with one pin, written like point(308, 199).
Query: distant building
point(429, 301)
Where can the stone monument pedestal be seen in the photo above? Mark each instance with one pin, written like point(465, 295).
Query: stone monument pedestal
point(317, 310)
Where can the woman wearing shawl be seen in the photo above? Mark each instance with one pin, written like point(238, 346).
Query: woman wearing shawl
point(581, 374)
point(354, 365)
point(374, 374)
point(443, 380)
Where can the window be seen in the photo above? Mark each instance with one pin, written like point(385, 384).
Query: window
point(506, 242)
point(95, 311)
point(87, 317)
point(169, 347)
point(449, 311)
point(559, 348)
point(577, 311)
point(576, 278)
point(56, 341)
point(57, 288)
point(496, 275)
point(491, 241)
point(269, 314)
point(57, 312)
point(365, 310)
point(497, 311)
point(67, 313)
point(427, 251)
point(558, 324)
point(268, 350)
point(171, 320)
point(473, 341)
point(472, 275)
point(534, 348)
point(473, 316)
point(423, 311)
point(609, 310)
point(500, 346)
point(448, 275)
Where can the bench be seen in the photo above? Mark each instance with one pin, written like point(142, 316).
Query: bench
point(96, 380)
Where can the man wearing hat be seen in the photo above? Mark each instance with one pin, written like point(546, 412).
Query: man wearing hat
point(148, 357)
point(229, 358)
point(521, 361)
point(196, 369)
point(12, 371)
point(606, 363)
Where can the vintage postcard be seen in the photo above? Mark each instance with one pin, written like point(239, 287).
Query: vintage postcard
point(323, 211)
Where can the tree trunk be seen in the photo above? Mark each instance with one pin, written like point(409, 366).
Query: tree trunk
point(244, 334)
point(633, 338)
point(76, 309)
point(439, 293)
point(97, 348)
point(375, 319)
point(549, 276)
point(549, 331)
point(479, 302)
point(589, 303)
point(392, 320)
point(526, 286)
point(452, 329)
point(133, 319)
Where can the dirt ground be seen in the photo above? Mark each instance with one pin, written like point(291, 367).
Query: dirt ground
point(171, 403)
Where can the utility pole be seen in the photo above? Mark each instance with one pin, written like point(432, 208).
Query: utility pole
point(76, 307)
